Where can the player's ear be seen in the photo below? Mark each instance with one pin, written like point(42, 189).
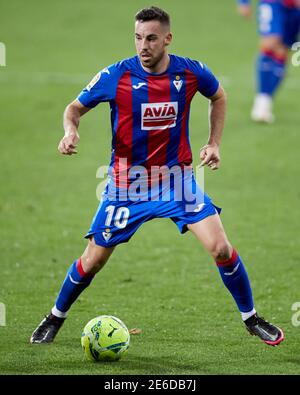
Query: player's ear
point(168, 38)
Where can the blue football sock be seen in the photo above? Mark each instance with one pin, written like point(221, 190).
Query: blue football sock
point(236, 280)
point(270, 73)
point(75, 282)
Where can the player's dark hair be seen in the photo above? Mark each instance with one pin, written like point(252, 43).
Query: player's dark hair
point(153, 14)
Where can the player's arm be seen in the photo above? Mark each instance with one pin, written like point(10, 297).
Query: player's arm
point(244, 8)
point(72, 114)
point(102, 88)
point(210, 154)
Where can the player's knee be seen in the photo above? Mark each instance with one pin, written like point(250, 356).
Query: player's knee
point(94, 257)
point(222, 251)
point(92, 263)
point(273, 45)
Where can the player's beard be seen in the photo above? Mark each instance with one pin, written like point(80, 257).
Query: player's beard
point(152, 61)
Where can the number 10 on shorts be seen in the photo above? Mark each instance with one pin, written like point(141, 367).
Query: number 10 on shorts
point(119, 216)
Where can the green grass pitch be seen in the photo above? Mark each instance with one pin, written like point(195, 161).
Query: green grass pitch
point(161, 282)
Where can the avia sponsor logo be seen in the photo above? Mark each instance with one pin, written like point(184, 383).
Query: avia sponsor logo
point(159, 116)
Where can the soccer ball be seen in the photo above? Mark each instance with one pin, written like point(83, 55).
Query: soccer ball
point(105, 338)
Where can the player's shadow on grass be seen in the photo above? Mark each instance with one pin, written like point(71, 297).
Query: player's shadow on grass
point(136, 364)
point(162, 365)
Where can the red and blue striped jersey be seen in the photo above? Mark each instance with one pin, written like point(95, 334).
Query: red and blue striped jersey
point(150, 112)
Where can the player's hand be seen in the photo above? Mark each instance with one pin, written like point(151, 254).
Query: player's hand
point(245, 10)
point(210, 156)
point(68, 144)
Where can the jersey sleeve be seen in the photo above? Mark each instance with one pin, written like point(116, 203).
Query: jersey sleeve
point(207, 82)
point(102, 87)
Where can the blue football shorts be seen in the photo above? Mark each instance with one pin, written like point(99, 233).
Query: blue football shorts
point(276, 19)
point(119, 216)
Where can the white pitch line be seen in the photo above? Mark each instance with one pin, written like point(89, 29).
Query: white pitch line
point(40, 77)
point(43, 77)
point(292, 83)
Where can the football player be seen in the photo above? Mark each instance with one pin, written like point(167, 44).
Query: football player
point(149, 97)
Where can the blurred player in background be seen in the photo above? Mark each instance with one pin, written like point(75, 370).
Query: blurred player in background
point(150, 96)
point(278, 26)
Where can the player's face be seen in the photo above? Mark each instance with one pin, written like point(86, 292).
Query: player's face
point(151, 41)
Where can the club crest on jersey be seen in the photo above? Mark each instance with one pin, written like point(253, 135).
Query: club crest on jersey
point(106, 235)
point(178, 84)
point(159, 116)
